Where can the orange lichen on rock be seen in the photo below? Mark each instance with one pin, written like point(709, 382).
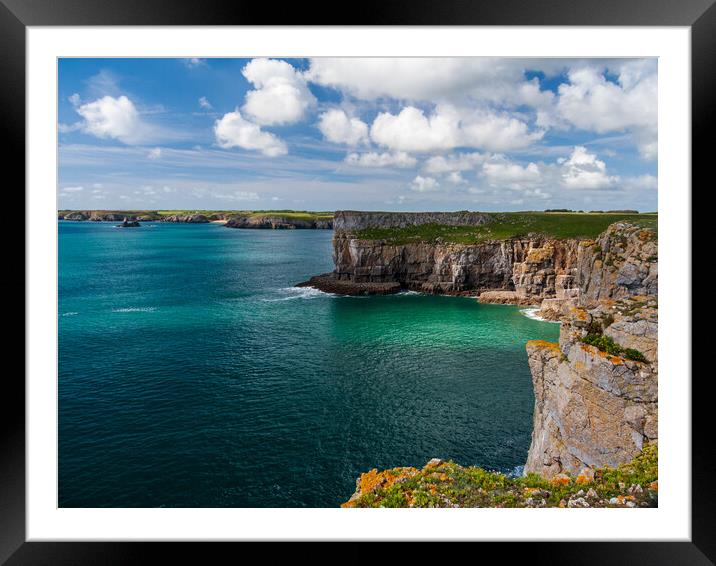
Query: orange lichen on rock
point(543, 344)
point(561, 479)
point(373, 480)
point(586, 475)
point(538, 255)
point(654, 486)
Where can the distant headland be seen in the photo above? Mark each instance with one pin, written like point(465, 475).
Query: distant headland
point(256, 219)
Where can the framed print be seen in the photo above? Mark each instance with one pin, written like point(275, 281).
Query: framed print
point(392, 279)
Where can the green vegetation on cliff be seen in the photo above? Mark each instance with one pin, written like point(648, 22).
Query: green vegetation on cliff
point(608, 345)
point(507, 225)
point(446, 484)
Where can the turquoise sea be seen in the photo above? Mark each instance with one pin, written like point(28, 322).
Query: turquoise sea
point(193, 374)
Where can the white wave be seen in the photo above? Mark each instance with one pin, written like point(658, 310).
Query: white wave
point(516, 472)
point(135, 309)
point(531, 312)
point(291, 293)
point(70, 313)
point(409, 292)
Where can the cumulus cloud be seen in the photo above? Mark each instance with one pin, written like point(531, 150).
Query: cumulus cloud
point(337, 127)
point(584, 171)
point(497, 132)
point(411, 130)
point(204, 103)
point(424, 184)
point(281, 95)
point(110, 117)
point(410, 78)
point(592, 102)
point(232, 130)
point(456, 178)
point(372, 159)
point(448, 128)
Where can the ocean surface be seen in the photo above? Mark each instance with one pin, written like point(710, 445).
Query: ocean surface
point(193, 374)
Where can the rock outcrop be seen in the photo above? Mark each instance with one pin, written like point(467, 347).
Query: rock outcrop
point(189, 218)
point(127, 223)
point(622, 262)
point(594, 408)
point(447, 484)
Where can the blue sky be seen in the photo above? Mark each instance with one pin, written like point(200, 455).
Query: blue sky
point(350, 133)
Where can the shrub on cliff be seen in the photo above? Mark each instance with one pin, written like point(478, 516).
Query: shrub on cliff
point(608, 345)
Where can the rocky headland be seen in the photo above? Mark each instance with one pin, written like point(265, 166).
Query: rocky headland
point(288, 220)
point(596, 391)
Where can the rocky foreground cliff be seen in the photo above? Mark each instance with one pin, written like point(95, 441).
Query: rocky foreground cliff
point(596, 391)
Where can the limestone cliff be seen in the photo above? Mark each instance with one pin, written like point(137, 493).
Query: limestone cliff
point(594, 406)
point(522, 270)
point(278, 222)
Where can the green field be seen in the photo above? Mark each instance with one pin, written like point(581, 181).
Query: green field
point(505, 225)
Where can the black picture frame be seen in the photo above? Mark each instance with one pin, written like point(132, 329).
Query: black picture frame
point(17, 15)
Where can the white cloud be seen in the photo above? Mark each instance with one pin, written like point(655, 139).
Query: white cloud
point(76, 189)
point(424, 184)
point(110, 117)
point(412, 131)
point(456, 178)
point(584, 171)
point(155, 153)
point(398, 159)
point(591, 102)
point(514, 175)
point(408, 78)
point(497, 132)
point(232, 130)
point(337, 127)
point(453, 162)
point(448, 128)
point(193, 62)
point(281, 95)
point(204, 103)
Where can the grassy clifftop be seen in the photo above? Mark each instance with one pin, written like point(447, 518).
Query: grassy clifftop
point(446, 484)
point(505, 225)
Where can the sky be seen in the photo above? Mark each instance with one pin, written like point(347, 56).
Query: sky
point(402, 134)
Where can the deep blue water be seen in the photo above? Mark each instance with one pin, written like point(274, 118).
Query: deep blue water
point(192, 373)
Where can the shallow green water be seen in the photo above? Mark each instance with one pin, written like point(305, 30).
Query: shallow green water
point(193, 373)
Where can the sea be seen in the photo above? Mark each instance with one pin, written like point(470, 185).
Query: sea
point(193, 373)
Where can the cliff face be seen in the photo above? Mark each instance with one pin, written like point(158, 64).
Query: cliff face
point(593, 408)
point(533, 268)
point(620, 263)
point(277, 222)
